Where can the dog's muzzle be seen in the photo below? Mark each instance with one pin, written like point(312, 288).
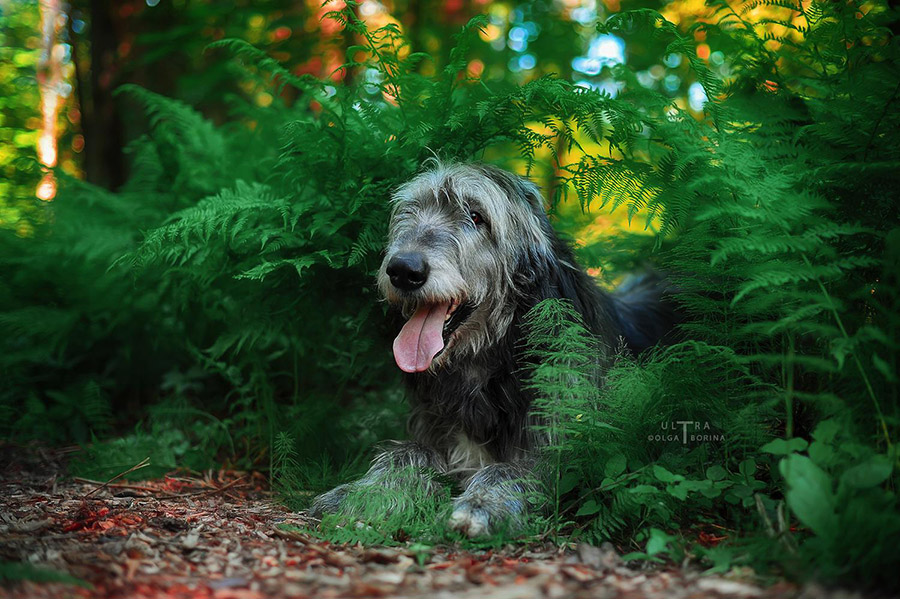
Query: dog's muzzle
point(407, 270)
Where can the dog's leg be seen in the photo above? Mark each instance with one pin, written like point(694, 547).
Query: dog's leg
point(497, 496)
point(403, 469)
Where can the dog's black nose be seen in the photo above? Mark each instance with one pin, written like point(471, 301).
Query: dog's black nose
point(408, 271)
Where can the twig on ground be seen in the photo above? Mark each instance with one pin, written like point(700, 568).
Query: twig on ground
point(146, 489)
point(89, 481)
point(142, 464)
point(205, 491)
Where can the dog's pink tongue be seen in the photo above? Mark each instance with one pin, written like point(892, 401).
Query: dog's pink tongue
point(421, 338)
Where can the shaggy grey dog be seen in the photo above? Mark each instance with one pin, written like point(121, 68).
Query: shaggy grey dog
point(470, 252)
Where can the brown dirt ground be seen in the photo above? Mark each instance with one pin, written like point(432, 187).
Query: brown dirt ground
point(218, 536)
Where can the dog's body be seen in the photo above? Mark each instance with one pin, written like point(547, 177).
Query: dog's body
point(470, 252)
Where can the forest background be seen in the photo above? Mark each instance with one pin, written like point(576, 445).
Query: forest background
point(194, 200)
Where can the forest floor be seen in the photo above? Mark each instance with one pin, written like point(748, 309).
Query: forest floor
point(222, 536)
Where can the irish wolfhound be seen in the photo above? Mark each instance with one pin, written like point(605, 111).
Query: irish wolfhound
point(470, 251)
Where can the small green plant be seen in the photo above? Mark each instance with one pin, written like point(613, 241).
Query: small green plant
point(12, 572)
point(392, 512)
point(566, 383)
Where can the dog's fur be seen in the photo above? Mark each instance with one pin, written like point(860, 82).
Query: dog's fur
point(489, 248)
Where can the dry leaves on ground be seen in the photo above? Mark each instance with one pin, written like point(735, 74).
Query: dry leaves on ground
point(221, 536)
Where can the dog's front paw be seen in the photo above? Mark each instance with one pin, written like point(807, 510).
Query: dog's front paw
point(481, 514)
point(330, 502)
point(470, 520)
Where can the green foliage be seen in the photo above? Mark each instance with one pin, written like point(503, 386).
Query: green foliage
point(403, 509)
point(566, 392)
point(75, 339)
point(781, 224)
point(391, 514)
point(175, 436)
point(660, 441)
point(12, 572)
point(840, 490)
point(19, 104)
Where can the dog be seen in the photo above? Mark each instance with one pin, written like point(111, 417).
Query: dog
point(470, 251)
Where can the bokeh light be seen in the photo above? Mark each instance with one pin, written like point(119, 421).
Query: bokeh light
point(604, 51)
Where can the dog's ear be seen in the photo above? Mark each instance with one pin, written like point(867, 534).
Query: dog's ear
point(557, 275)
point(545, 265)
point(548, 269)
point(560, 276)
point(517, 188)
point(525, 199)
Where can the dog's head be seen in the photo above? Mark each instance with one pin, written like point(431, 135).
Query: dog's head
point(464, 243)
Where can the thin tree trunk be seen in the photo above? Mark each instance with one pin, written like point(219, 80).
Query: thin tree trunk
point(104, 163)
point(49, 76)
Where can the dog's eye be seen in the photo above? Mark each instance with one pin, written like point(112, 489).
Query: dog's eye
point(476, 218)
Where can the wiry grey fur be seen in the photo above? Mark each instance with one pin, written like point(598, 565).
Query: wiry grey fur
point(470, 409)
